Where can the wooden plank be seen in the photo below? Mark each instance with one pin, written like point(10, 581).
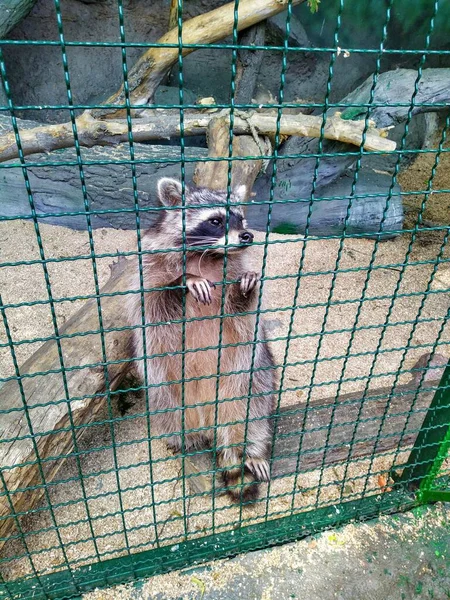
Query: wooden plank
point(353, 432)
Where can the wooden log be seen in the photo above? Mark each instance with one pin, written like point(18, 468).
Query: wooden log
point(312, 426)
point(109, 186)
point(367, 212)
point(16, 447)
point(12, 12)
point(173, 14)
point(157, 126)
point(246, 171)
point(215, 174)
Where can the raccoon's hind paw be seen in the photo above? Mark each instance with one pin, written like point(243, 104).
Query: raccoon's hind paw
point(200, 288)
point(174, 444)
point(259, 467)
point(241, 487)
point(241, 490)
point(248, 282)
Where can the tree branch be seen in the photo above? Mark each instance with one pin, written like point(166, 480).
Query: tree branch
point(156, 126)
point(214, 174)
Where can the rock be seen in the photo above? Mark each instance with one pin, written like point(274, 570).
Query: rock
point(249, 62)
point(276, 31)
point(35, 73)
point(441, 279)
point(393, 93)
point(171, 95)
point(329, 213)
point(207, 73)
point(11, 13)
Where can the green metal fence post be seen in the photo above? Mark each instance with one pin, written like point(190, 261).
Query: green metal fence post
point(432, 444)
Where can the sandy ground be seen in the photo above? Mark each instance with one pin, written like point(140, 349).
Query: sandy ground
point(391, 558)
point(157, 511)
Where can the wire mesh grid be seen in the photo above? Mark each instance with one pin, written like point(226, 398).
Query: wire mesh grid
point(358, 427)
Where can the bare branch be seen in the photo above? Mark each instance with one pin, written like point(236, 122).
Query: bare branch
point(162, 125)
point(214, 174)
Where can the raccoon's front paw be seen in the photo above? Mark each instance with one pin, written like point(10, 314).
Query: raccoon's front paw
point(200, 288)
point(248, 282)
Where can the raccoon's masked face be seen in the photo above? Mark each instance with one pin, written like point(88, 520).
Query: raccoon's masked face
point(205, 224)
point(213, 227)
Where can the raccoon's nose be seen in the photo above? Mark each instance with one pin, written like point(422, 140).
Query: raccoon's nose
point(246, 237)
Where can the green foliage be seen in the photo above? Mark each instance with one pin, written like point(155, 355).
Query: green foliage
point(313, 5)
point(285, 228)
point(362, 21)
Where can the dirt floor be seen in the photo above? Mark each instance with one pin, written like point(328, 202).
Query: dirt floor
point(415, 179)
point(414, 318)
point(400, 557)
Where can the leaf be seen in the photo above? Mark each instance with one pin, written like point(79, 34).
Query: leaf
point(382, 481)
point(348, 489)
point(333, 539)
point(313, 5)
point(285, 228)
point(200, 584)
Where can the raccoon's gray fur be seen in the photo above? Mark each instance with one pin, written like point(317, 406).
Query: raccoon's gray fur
point(205, 226)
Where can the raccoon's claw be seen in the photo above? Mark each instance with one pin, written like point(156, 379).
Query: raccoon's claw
point(259, 467)
point(248, 282)
point(200, 289)
point(174, 444)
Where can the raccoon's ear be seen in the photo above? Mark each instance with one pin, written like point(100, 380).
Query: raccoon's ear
point(169, 191)
point(240, 193)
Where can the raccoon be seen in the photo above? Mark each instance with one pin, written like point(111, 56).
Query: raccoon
point(205, 237)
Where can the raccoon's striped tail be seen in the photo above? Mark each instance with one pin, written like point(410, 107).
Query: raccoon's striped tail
point(244, 489)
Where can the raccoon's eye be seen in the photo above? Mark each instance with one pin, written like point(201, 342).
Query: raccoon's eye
point(216, 222)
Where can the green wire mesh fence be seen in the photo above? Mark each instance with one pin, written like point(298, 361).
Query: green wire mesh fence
point(358, 326)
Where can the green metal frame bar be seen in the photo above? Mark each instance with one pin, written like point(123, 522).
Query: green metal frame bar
point(431, 446)
point(434, 496)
